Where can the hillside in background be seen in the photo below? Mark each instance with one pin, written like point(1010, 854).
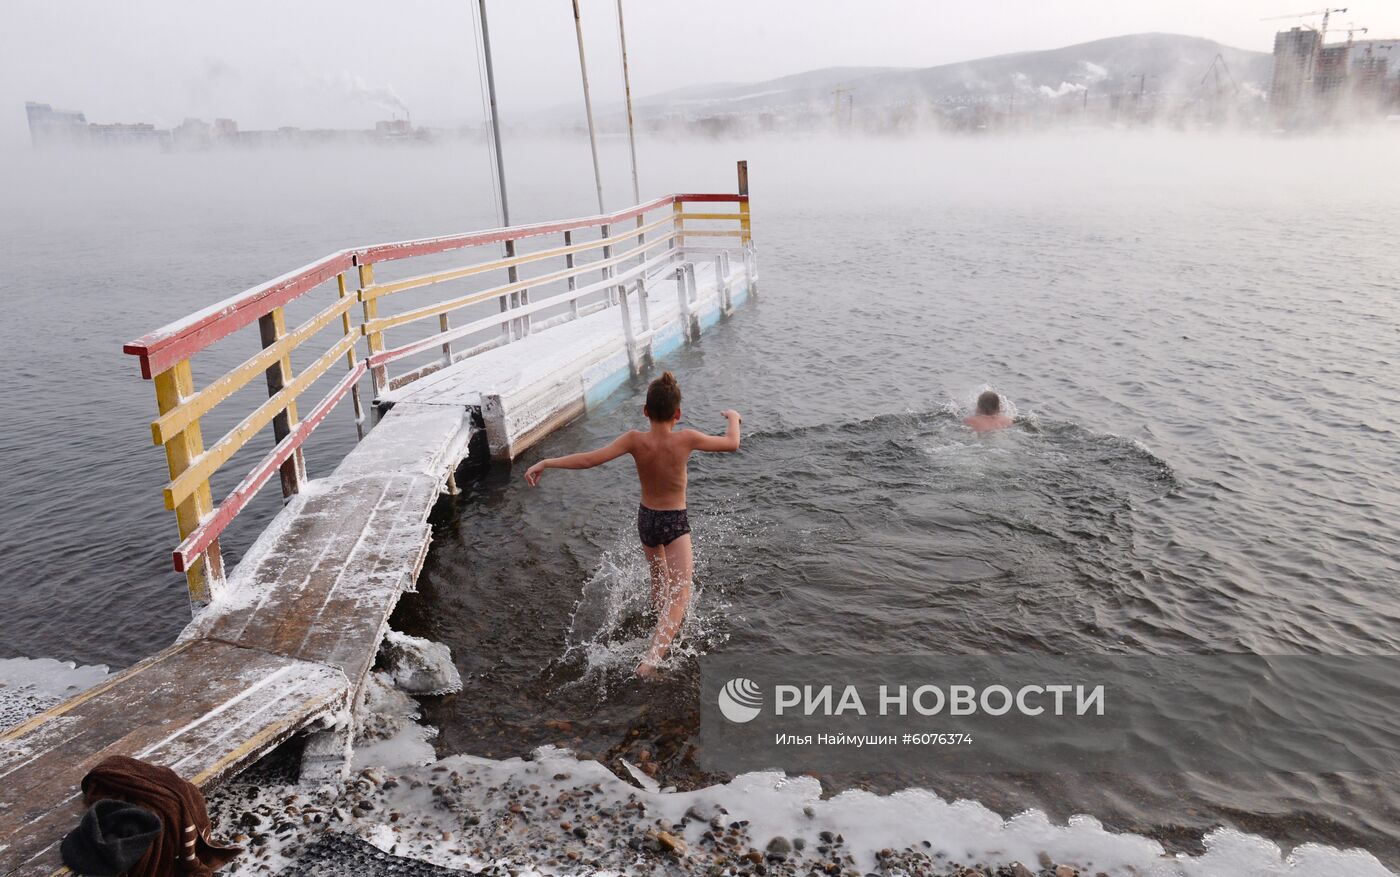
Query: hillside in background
point(1170, 63)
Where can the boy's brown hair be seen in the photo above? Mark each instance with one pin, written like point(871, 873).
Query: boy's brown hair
point(989, 403)
point(663, 398)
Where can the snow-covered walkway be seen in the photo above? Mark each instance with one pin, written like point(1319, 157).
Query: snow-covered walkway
point(288, 644)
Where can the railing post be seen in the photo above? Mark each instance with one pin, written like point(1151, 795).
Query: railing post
point(642, 307)
point(692, 289)
point(722, 282)
point(519, 297)
point(272, 327)
point(443, 325)
point(508, 301)
point(692, 293)
point(629, 336)
point(525, 324)
point(677, 227)
point(206, 575)
point(572, 281)
point(378, 374)
point(613, 293)
point(349, 328)
point(745, 234)
point(683, 300)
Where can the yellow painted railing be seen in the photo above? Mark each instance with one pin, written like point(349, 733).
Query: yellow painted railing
point(332, 333)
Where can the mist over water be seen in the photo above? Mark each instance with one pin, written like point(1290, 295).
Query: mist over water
point(1198, 334)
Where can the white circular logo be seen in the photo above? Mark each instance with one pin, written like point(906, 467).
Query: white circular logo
point(740, 700)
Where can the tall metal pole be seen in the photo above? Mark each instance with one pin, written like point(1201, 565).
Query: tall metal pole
point(631, 135)
point(495, 116)
point(593, 144)
point(588, 108)
point(511, 273)
point(627, 92)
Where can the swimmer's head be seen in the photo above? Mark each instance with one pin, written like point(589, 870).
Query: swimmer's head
point(989, 403)
point(663, 399)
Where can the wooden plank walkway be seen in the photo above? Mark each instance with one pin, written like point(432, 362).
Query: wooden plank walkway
point(288, 646)
point(204, 709)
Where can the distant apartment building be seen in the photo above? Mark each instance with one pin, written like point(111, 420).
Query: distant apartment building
point(49, 126)
point(1294, 53)
point(1313, 83)
point(1332, 72)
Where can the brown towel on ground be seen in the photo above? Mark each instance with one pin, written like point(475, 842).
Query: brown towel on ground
point(184, 846)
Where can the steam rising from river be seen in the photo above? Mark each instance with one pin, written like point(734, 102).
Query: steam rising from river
point(1210, 297)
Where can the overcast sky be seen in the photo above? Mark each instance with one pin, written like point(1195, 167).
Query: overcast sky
point(340, 64)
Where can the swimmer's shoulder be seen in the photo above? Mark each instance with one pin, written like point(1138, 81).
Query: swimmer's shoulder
point(629, 442)
point(983, 423)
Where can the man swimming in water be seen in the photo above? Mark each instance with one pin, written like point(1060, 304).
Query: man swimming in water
point(661, 454)
point(988, 416)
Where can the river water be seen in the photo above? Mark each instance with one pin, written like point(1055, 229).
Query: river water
point(1199, 336)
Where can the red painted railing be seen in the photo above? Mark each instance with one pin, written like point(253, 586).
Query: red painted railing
point(165, 354)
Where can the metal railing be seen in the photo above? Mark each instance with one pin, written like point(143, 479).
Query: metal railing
point(166, 355)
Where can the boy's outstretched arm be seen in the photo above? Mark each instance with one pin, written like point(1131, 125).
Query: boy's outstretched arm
point(587, 460)
point(727, 442)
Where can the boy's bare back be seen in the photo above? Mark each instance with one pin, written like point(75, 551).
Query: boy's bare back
point(662, 460)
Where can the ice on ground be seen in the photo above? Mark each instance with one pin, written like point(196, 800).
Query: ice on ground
point(389, 734)
point(28, 686)
point(419, 666)
point(552, 813)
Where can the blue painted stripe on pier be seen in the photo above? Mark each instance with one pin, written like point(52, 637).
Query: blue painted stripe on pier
point(601, 380)
point(709, 316)
point(667, 339)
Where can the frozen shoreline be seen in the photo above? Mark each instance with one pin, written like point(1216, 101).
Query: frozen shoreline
point(551, 813)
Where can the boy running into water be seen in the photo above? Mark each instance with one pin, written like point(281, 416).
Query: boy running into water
point(661, 454)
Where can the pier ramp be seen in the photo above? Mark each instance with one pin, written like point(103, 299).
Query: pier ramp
point(282, 643)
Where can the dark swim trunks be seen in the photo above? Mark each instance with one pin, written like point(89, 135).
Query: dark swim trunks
point(659, 528)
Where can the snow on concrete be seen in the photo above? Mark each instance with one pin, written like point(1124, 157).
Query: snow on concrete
point(411, 439)
point(419, 666)
point(556, 372)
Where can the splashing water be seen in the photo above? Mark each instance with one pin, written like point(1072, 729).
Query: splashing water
point(612, 623)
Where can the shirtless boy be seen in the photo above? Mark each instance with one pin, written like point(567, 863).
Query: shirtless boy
point(988, 416)
point(661, 454)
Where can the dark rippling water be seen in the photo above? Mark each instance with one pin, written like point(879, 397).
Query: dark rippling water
point(1200, 337)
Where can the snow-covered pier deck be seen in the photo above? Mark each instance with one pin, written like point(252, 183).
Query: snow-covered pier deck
point(282, 643)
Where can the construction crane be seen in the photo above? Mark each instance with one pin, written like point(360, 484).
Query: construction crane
point(1326, 16)
point(1352, 29)
point(1217, 65)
